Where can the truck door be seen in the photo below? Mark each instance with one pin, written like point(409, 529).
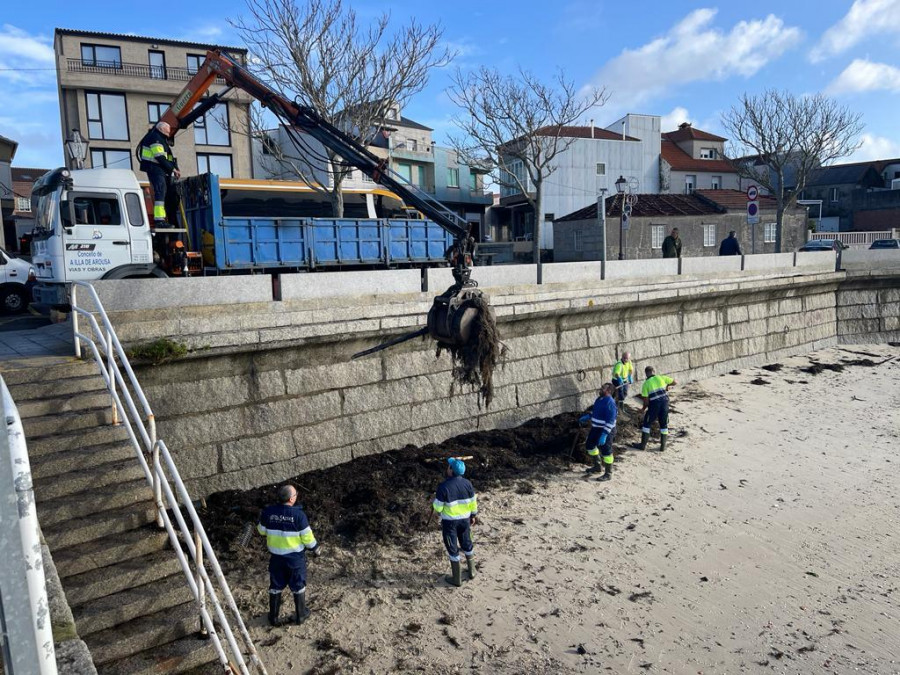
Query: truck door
point(95, 234)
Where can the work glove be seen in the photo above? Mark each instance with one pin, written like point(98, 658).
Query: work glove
point(317, 551)
point(584, 419)
point(603, 438)
point(630, 380)
point(473, 520)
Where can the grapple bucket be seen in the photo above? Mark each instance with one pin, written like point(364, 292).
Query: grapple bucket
point(453, 315)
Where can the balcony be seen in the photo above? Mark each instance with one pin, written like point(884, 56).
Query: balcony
point(139, 70)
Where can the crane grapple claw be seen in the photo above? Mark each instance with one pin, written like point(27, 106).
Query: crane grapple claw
point(453, 315)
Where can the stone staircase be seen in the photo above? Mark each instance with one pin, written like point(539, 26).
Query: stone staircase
point(131, 603)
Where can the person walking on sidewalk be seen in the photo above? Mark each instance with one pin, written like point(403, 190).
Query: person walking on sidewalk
point(288, 537)
point(603, 430)
point(457, 505)
point(623, 375)
point(730, 245)
point(655, 393)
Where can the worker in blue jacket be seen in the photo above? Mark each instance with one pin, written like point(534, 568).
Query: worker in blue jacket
point(457, 505)
point(603, 430)
point(288, 537)
point(156, 160)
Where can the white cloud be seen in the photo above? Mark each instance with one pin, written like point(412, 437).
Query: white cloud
point(862, 75)
point(671, 120)
point(865, 18)
point(695, 51)
point(25, 59)
point(874, 147)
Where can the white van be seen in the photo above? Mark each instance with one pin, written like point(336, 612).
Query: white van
point(16, 280)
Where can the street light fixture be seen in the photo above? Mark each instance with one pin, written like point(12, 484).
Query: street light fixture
point(621, 186)
point(77, 147)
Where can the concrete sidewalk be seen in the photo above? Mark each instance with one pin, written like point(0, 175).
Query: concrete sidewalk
point(54, 340)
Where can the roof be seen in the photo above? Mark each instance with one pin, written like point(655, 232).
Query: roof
point(584, 132)
point(406, 122)
point(21, 174)
point(686, 132)
point(847, 174)
point(649, 205)
point(679, 160)
point(734, 200)
point(13, 144)
point(141, 38)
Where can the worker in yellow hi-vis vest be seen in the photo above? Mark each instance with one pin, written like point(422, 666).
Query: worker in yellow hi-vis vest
point(655, 393)
point(159, 164)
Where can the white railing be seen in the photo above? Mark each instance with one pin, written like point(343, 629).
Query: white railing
point(855, 238)
point(27, 637)
point(156, 460)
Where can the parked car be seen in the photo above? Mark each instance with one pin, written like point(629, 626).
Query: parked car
point(16, 281)
point(823, 245)
point(885, 243)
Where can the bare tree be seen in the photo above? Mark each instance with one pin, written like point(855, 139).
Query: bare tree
point(516, 126)
point(781, 140)
point(351, 73)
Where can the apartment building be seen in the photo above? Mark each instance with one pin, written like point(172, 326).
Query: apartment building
point(693, 159)
point(113, 87)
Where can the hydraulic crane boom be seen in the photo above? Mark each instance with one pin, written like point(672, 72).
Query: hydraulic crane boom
point(452, 316)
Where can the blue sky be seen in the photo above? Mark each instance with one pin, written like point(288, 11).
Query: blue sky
point(685, 61)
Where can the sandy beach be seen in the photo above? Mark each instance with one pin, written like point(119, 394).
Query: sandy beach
point(765, 539)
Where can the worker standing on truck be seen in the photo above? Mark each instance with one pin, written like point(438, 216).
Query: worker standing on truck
point(288, 537)
point(159, 164)
point(457, 506)
point(603, 430)
point(623, 375)
point(655, 393)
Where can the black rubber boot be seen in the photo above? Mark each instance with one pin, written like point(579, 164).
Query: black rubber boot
point(274, 608)
point(662, 441)
point(470, 563)
point(596, 466)
point(456, 574)
point(607, 472)
point(643, 444)
point(301, 613)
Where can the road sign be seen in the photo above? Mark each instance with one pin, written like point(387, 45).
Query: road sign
point(752, 193)
point(625, 221)
point(753, 212)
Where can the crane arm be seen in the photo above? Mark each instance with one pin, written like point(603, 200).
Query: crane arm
point(192, 102)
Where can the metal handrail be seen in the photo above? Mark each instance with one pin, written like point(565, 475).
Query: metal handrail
point(140, 425)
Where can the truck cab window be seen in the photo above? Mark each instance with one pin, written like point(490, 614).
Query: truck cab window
point(97, 211)
point(134, 205)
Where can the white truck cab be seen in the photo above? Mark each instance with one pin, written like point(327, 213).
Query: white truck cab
point(89, 224)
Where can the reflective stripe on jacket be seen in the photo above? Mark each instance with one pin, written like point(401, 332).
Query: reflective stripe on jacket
point(455, 499)
point(604, 414)
point(286, 529)
point(154, 150)
point(655, 387)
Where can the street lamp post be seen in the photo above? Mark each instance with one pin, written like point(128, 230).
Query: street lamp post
point(621, 185)
point(77, 147)
point(601, 222)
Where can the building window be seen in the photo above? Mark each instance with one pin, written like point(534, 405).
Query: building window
point(421, 171)
point(601, 169)
point(690, 182)
point(473, 181)
point(716, 182)
point(217, 164)
point(110, 159)
point(657, 234)
point(157, 65)
point(578, 244)
point(212, 128)
point(549, 217)
point(453, 178)
point(412, 144)
point(834, 195)
point(708, 153)
point(709, 235)
point(194, 61)
point(107, 119)
point(366, 178)
point(101, 56)
point(405, 171)
point(155, 111)
point(23, 204)
point(769, 232)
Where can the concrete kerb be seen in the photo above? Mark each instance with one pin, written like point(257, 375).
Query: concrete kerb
point(349, 283)
point(143, 294)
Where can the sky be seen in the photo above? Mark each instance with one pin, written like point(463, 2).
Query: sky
point(682, 60)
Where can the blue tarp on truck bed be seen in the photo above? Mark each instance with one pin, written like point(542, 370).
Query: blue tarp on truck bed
point(234, 242)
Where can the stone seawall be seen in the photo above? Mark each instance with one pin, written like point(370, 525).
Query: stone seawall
point(868, 307)
point(274, 394)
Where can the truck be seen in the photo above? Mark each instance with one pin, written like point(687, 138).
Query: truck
point(92, 223)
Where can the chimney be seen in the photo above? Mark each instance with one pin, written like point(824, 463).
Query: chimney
point(592, 127)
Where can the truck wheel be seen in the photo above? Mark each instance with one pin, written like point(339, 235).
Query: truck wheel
point(13, 300)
